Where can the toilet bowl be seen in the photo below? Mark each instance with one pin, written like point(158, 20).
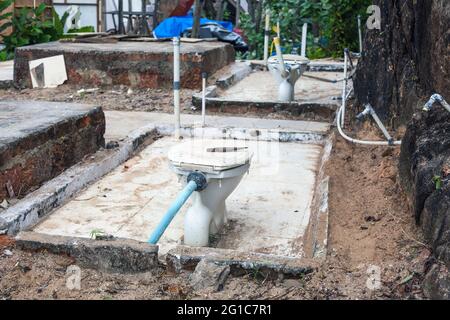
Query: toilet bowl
point(224, 164)
point(295, 66)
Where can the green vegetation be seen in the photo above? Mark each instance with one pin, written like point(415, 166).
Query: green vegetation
point(30, 26)
point(332, 25)
point(438, 182)
point(82, 30)
point(94, 234)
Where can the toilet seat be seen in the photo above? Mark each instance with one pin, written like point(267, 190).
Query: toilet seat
point(215, 157)
point(290, 59)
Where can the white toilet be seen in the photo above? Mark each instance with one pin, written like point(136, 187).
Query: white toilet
point(223, 163)
point(295, 66)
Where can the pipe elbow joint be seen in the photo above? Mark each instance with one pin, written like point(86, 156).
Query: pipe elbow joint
point(433, 99)
point(199, 179)
point(367, 111)
point(391, 142)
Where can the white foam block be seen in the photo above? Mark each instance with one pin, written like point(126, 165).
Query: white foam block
point(54, 72)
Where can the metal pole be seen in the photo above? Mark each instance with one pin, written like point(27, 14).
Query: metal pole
point(204, 75)
point(304, 38)
point(360, 35)
point(121, 27)
point(344, 89)
point(266, 38)
point(176, 84)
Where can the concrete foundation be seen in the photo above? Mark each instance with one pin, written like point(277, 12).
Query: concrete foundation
point(265, 218)
point(133, 64)
point(257, 91)
point(268, 226)
point(117, 255)
point(39, 140)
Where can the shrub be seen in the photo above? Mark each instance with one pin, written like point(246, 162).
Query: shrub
point(334, 23)
point(30, 26)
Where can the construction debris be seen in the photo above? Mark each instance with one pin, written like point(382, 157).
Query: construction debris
point(209, 275)
point(48, 72)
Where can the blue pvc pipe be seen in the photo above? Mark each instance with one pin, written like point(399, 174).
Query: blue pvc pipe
point(183, 196)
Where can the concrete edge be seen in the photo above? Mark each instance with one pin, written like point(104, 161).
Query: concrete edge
point(6, 84)
point(187, 258)
point(314, 66)
point(238, 72)
point(55, 192)
point(116, 255)
point(94, 109)
point(326, 67)
point(296, 108)
point(271, 135)
point(210, 92)
point(316, 236)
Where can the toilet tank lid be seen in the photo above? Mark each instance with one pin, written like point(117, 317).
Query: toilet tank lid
point(217, 155)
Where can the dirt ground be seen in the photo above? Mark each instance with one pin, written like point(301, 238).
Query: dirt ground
point(370, 225)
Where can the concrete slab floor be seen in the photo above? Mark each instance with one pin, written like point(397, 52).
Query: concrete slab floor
point(120, 123)
point(261, 86)
point(268, 212)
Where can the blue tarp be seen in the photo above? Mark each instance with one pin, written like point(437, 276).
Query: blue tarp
point(174, 26)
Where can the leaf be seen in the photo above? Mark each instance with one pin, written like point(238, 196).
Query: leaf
point(5, 26)
point(5, 16)
point(5, 4)
point(40, 10)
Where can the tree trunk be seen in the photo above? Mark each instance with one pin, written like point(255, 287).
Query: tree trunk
point(197, 14)
point(219, 8)
point(238, 12)
point(251, 10)
point(259, 15)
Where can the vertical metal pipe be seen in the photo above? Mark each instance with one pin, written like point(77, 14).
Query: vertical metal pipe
point(266, 38)
point(344, 89)
point(360, 35)
point(304, 38)
point(204, 75)
point(121, 27)
point(176, 84)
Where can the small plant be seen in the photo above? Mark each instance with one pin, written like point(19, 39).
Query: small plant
point(82, 30)
point(438, 182)
point(97, 233)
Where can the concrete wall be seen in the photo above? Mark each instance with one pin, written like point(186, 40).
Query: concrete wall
point(39, 147)
point(133, 64)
